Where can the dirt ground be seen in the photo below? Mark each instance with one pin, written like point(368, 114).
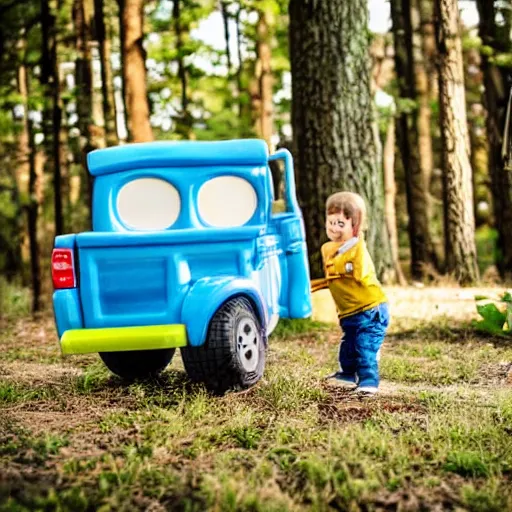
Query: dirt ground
point(74, 437)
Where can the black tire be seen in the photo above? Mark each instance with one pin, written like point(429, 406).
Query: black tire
point(137, 364)
point(233, 355)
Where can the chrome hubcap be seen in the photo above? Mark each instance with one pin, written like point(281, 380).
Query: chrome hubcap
point(247, 344)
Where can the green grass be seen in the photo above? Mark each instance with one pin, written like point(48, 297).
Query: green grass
point(437, 355)
point(11, 393)
point(287, 329)
point(27, 448)
point(14, 300)
point(32, 355)
point(293, 442)
point(95, 377)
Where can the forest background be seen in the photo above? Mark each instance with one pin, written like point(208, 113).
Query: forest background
point(403, 101)
point(77, 75)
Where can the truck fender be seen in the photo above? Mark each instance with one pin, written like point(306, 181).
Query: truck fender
point(207, 295)
point(67, 310)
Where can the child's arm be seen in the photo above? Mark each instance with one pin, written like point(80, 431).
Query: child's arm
point(319, 284)
point(323, 282)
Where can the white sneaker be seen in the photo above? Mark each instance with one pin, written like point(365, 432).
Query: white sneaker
point(367, 390)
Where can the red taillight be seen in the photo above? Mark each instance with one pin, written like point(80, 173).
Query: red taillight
point(63, 268)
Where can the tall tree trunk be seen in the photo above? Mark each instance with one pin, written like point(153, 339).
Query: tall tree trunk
point(497, 86)
point(13, 227)
point(64, 153)
point(240, 63)
point(82, 19)
point(22, 171)
point(428, 43)
point(417, 177)
point(56, 146)
point(429, 56)
point(423, 39)
point(225, 22)
point(52, 114)
point(332, 116)
point(480, 166)
point(124, 86)
point(33, 203)
point(458, 185)
point(107, 85)
point(261, 88)
point(390, 197)
point(482, 194)
point(134, 70)
point(184, 127)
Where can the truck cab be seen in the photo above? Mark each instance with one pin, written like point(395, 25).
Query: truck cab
point(185, 252)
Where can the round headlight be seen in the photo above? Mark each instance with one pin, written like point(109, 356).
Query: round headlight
point(227, 201)
point(148, 204)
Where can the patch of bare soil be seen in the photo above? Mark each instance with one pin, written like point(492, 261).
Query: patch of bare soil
point(395, 389)
point(53, 404)
point(34, 374)
point(78, 425)
point(29, 333)
point(20, 481)
point(413, 498)
point(492, 374)
point(49, 416)
point(346, 407)
point(68, 415)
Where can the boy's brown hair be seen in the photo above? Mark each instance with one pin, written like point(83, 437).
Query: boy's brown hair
point(352, 205)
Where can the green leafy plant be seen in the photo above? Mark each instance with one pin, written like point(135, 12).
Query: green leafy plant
point(496, 314)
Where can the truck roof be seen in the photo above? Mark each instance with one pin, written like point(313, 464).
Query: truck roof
point(126, 157)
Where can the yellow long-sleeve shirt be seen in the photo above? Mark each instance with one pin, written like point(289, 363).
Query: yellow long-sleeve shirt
point(351, 278)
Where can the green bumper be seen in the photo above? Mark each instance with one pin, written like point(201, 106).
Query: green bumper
point(117, 339)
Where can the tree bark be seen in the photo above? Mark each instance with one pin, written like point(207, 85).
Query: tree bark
point(134, 71)
point(33, 203)
point(240, 63)
point(52, 114)
point(390, 197)
point(56, 146)
point(261, 87)
point(107, 88)
point(428, 43)
point(417, 172)
point(225, 22)
point(457, 176)
point(82, 18)
point(184, 126)
point(21, 175)
point(429, 55)
point(497, 87)
point(424, 55)
point(332, 118)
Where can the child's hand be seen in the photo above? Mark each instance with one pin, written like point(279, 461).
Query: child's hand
point(319, 284)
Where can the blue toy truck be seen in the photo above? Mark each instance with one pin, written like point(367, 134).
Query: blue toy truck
point(185, 252)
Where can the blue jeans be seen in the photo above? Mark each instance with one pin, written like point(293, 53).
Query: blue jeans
point(363, 334)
